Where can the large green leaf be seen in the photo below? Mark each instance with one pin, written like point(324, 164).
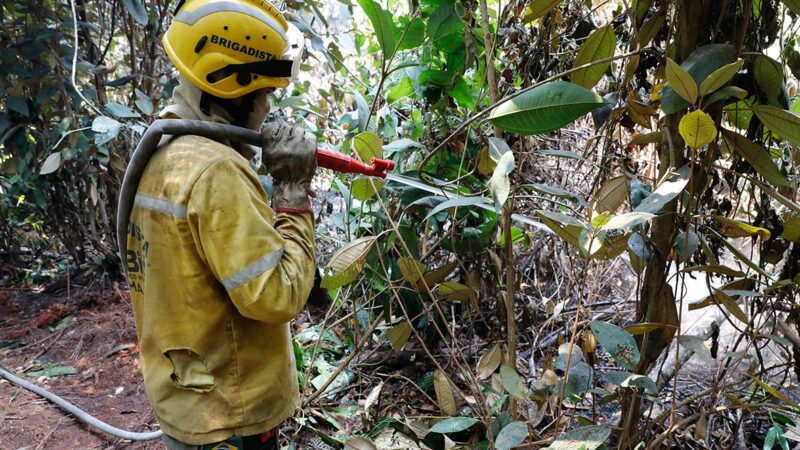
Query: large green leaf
point(445, 28)
point(618, 342)
point(769, 77)
point(383, 25)
point(511, 435)
point(347, 262)
point(700, 64)
point(697, 129)
point(546, 108)
point(600, 45)
point(720, 77)
point(785, 123)
point(666, 192)
point(757, 156)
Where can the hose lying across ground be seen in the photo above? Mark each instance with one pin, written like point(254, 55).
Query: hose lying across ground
point(79, 413)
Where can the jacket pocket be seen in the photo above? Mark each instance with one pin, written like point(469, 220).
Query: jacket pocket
point(189, 371)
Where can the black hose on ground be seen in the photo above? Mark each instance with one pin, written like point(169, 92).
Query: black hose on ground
point(79, 413)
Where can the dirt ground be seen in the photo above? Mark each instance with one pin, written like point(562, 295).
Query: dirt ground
point(98, 342)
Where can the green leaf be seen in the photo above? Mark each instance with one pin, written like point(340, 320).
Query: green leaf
point(723, 270)
point(721, 298)
point(757, 156)
point(599, 45)
point(454, 425)
point(666, 192)
point(414, 33)
point(697, 345)
point(545, 108)
point(362, 188)
point(121, 111)
point(568, 228)
point(584, 438)
point(400, 90)
point(383, 26)
point(769, 77)
point(618, 342)
point(791, 230)
point(686, 244)
point(497, 148)
point(737, 229)
point(627, 379)
point(446, 29)
point(539, 8)
point(456, 202)
point(106, 129)
point(579, 379)
point(500, 185)
point(726, 93)
point(403, 145)
point(489, 362)
point(628, 220)
point(785, 123)
point(411, 269)
point(444, 393)
point(143, 102)
point(681, 82)
point(611, 195)
point(51, 370)
point(51, 164)
point(136, 10)
point(398, 335)
point(651, 28)
point(511, 435)
point(511, 381)
point(347, 262)
point(18, 104)
point(720, 77)
point(697, 129)
point(368, 145)
point(452, 291)
point(700, 64)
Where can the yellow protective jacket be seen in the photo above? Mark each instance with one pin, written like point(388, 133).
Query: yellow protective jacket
point(215, 278)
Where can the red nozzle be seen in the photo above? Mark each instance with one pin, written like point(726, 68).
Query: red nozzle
point(345, 164)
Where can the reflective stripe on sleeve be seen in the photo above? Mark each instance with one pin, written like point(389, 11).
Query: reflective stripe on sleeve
point(165, 206)
point(252, 271)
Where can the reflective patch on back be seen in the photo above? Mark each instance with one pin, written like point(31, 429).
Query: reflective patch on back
point(161, 205)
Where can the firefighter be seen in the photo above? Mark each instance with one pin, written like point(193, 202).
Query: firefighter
point(216, 274)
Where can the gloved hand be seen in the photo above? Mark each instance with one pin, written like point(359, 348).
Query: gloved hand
point(290, 156)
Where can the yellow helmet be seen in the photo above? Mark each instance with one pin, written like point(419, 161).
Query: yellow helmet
point(234, 47)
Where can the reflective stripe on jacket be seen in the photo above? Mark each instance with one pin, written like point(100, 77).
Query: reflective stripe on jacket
point(215, 278)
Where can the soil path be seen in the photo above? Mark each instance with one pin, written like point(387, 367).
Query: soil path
point(95, 341)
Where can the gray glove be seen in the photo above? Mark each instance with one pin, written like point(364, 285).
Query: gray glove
point(290, 156)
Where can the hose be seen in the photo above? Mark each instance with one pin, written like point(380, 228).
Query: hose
point(79, 413)
point(149, 144)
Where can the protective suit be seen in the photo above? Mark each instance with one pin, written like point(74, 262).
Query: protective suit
point(215, 277)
